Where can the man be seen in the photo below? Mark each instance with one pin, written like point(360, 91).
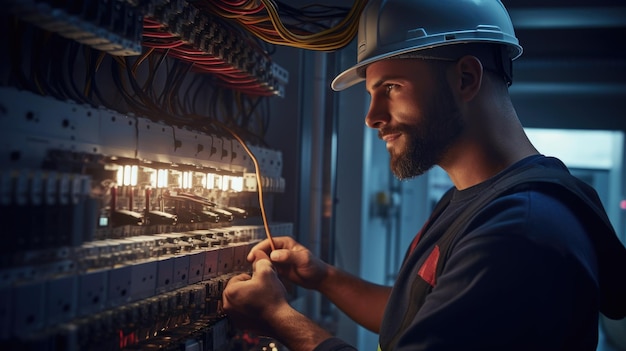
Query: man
point(527, 270)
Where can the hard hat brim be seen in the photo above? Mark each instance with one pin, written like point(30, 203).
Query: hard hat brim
point(347, 78)
point(352, 75)
point(356, 73)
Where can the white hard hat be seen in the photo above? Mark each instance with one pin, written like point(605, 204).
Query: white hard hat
point(393, 27)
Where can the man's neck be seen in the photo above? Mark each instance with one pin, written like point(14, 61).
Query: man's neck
point(472, 162)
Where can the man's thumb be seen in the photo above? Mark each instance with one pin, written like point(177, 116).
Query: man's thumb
point(263, 265)
point(279, 255)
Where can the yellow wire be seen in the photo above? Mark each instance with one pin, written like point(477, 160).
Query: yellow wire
point(274, 16)
point(257, 171)
point(140, 59)
point(330, 39)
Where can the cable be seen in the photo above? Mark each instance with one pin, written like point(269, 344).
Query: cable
point(265, 21)
point(257, 171)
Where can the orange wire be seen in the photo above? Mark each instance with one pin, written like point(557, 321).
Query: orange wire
point(257, 171)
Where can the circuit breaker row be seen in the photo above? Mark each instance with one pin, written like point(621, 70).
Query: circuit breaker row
point(46, 209)
point(40, 124)
point(189, 318)
point(159, 280)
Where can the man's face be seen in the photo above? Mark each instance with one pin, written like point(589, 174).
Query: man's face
point(414, 111)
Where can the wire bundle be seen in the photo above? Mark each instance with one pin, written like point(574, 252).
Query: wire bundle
point(280, 24)
point(154, 85)
point(168, 81)
point(157, 36)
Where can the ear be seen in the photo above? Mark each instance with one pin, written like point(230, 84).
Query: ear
point(470, 71)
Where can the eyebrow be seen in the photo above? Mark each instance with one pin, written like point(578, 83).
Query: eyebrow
point(382, 81)
point(378, 83)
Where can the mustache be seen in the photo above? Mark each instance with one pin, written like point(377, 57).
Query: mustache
point(391, 130)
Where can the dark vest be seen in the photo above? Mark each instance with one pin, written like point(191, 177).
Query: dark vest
point(575, 194)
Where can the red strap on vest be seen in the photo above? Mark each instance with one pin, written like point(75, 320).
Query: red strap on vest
point(428, 270)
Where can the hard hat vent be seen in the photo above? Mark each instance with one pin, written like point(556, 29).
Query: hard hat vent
point(416, 33)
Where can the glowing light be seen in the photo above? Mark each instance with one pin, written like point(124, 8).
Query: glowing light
point(186, 181)
point(127, 175)
point(225, 183)
point(218, 182)
point(162, 178)
point(153, 179)
point(210, 181)
point(126, 179)
point(120, 175)
point(134, 175)
point(236, 184)
point(622, 204)
point(202, 178)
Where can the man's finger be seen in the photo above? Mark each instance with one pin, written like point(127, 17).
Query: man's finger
point(239, 278)
point(280, 242)
point(280, 255)
point(262, 266)
point(258, 254)
point(263, 246)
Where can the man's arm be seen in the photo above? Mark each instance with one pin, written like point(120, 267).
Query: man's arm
point(362, 301)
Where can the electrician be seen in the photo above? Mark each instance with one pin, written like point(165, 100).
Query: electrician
point(527, 270)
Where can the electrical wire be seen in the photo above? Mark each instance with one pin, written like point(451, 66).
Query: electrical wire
point(182, 86)
point(264, 20)
point(257, 171)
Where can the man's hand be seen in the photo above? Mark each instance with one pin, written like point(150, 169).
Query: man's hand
point(252, 301)
point(259, 303)
point(292, 261)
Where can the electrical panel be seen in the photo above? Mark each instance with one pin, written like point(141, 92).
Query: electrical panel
point(135, 174)
point(115, 236)
point(132, 162)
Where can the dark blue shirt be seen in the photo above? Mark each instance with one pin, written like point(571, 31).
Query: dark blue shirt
point(522, 276)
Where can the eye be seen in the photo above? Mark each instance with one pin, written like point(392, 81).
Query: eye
point(389, 87)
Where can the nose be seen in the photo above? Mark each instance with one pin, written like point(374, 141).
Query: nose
point(377, 115)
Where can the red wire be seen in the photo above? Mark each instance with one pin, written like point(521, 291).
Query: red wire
point(235, 3)
point(197, 58)
point(150, 20)
point(162, 45)
point(148, 25)
point(156, 36)
point(216, 70)
point(191, 51)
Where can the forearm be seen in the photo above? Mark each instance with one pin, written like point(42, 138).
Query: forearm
point(362, 301)
point(296, 331)
point(258, 303)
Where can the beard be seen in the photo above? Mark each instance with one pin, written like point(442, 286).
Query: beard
point(429, 139)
